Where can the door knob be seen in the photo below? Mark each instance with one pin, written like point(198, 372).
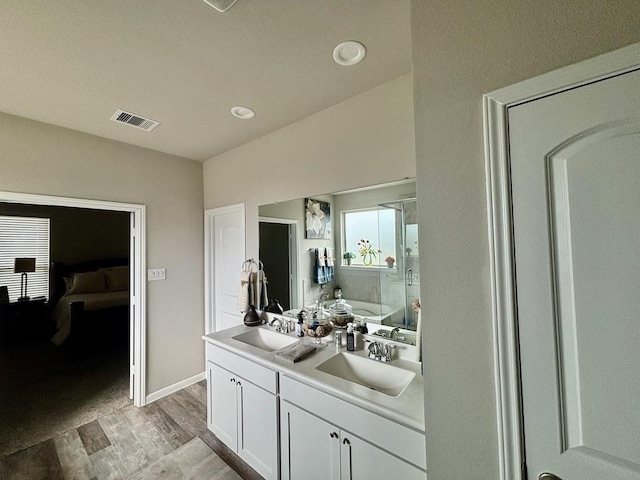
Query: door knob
point(548, 476)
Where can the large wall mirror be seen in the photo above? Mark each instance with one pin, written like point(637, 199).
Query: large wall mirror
point(370, 237)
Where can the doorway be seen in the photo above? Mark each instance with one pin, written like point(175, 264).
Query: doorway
point(137, 291)
point(278, 252)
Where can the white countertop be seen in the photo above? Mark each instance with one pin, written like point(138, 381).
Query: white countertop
point(406, 409)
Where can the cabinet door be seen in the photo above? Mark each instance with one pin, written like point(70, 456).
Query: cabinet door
point(363, 461)
point(310, 446)
point(258, 428)
point(223, 405)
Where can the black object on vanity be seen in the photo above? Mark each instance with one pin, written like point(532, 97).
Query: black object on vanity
point(251, 318)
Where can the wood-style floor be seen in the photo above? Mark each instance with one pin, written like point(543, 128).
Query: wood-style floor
point(167, 439)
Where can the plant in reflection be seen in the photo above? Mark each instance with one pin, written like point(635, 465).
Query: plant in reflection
point(348, 256)
point(366, 251)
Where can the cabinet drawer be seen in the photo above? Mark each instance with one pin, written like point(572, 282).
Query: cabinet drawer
point(247, 369)
point(399, 440)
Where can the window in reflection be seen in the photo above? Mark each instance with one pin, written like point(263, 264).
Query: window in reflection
point(369, 234)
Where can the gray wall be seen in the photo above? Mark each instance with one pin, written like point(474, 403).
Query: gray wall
point(461, 50)
point(363, 141)
point(43, 159)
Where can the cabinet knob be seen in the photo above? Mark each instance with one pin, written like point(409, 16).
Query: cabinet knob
point(333, 435)
point(346, 442)
point(232, 380)
point(548, 476)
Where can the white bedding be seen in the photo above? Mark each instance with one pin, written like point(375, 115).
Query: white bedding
point(92, 301)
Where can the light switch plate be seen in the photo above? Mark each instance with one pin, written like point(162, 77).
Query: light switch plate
point(156, 274)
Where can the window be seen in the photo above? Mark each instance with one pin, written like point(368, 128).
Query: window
point(378, 226)
point(24, 237)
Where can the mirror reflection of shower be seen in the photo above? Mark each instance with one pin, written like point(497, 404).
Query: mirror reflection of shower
point(400, 282)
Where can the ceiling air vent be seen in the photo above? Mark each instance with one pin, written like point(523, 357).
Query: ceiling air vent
point(134, 120)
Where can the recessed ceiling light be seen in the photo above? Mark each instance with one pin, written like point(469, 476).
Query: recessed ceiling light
point(245, 113)
point(221, 5)
point(349, 53)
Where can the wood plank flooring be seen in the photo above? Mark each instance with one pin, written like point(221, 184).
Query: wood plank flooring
point(166, 440)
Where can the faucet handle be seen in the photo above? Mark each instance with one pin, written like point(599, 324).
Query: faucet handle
point(389, 349)
point(276, 323)
point(374, 350)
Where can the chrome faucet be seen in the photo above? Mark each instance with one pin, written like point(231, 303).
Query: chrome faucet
point(319, 298)
point(381, 352)
point(276, 323)
point(374, 350)
point(282, 325)
point(393, 333)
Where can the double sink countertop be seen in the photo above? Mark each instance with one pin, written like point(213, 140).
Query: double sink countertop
point(407, 408)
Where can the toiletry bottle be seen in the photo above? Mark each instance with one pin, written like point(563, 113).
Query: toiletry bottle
point(350, 339)
point(337, 336)
point(299, 330)
point(358, 344)
point(363, 326)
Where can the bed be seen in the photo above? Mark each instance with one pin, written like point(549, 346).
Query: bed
point(91, 303)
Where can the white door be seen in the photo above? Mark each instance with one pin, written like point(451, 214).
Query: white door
point(258, 428)
point(364, 461)
point(310, 446)
point(223, 414)
point(224, 255)
point(575, 173)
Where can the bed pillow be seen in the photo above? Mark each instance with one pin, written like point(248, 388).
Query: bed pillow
point(68, 281)
point(88, 282)
point(117, 278)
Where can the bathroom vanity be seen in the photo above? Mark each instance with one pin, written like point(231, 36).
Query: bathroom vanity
point(333, 415)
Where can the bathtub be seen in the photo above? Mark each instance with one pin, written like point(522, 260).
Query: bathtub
point(370, 311)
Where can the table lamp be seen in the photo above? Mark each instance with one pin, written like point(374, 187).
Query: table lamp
point(24, 266)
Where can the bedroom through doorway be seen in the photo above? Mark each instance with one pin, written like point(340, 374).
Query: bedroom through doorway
point(74, 350)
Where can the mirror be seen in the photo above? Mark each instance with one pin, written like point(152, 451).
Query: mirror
point(372, 236)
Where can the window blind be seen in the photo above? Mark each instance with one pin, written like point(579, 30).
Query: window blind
point(24, 237)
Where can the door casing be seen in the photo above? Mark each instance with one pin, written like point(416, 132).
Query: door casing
point(138, 295)
point(498, 184)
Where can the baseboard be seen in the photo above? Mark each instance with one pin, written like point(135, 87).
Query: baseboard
point(152, 397)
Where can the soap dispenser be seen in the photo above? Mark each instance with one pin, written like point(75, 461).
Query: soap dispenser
point(351, 344)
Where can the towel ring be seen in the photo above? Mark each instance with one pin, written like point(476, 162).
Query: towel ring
point(249, 264)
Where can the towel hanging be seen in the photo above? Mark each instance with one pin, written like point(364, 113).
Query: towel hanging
point(253, 286)
point(320, 270)
point(245, 279)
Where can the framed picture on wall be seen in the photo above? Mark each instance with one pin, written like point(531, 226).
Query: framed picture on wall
point(317, 219)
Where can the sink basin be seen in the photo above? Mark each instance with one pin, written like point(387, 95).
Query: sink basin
point(378, 376)
point(265, 339)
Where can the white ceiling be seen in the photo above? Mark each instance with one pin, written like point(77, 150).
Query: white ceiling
point(184, 64)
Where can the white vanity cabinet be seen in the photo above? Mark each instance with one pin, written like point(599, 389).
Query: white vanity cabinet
point(243, 409)
point(310, 447)
point(313, 447)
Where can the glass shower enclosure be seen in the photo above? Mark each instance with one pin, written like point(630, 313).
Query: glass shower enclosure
point(400, 280)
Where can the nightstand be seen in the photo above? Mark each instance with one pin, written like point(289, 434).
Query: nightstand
point(22, 321)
